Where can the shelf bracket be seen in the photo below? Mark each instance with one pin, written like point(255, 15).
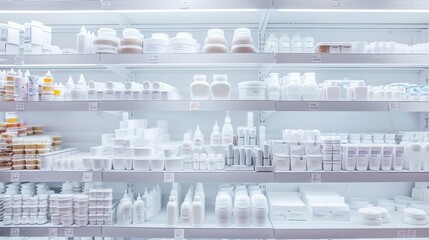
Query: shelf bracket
point(262, 27)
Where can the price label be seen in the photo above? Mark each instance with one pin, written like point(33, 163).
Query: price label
point(184, 4)
point(194, 106)
point(68, 232)
point(393, 106)
point(402, 234)
point(313, 106)
point(316, 177)
point(14, 177)
point(316, 58)
point(169, 177)
point(336, 4)
point(53, 232)
point(154, 58)
point(104, 5)
point(20, 106)
point(128, 95)
point(93, 106)
point(19, 60)
point(412, 233)
point(14, 232)
point(179, 234)
point(87, 177)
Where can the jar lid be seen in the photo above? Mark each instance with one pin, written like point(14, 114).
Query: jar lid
point(155, 41)
point(215, 32)
point(162, 36)
point(200, 78)
point(220, 78)
point(106, 31)
point(132, 32)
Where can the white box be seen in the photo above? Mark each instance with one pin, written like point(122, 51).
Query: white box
point(13, 33)
point(287, 206)
point(330, 211)
point(280, 147)
point(33, 33)
point(120, 152)
point(12, 49)
point(47, 38)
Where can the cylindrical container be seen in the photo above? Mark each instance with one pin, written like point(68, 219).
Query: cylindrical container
point(223, 209)
point(242, 210)
point(259, 210)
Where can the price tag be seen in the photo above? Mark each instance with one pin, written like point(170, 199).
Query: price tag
point(316, 58)
point(169, 177)
point(393, 106)
point(15, 176)
point(128, 95)
point(313, 106)
point(53, 232)
point(104, 5)
point(87, 177)
point(179, 234)
point(194, 106)
point(412, 233)
point(93, 106)
point(184, 4)
point(68, 232)
point(336, 4)
point(20, 106)
point(402, 234)
point(14, 232)
point(153, 58)
point(316, 177)
point(19, 60)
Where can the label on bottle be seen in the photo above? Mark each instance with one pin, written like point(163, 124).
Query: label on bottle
point(128, 95)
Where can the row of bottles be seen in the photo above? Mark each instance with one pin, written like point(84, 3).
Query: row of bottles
point(192, 209)
point(285, 44)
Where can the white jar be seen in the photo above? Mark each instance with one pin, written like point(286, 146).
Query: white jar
point(251, 90)
point(215, 42)
point(308, 45)
point(296, 44)
point(220, 89)
point(158, 43)
point(132, 41)
point(183, 43)
point(223, 209)
point(259, 210)
point(284, 44)
point(242, 36)
point(200, 89)
point(106, 41)
point(241, 209)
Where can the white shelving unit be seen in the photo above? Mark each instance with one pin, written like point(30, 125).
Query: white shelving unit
point(50, 231)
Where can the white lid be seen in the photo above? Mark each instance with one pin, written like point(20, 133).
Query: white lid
point(220, 78)
point(200, 78)
point(106, 31)
point(259, 201)
point(162, 36)
point(183, 38)
point(155, 41)
point(257, 84)
point(132, 32)
point(215, 32)
point(223, 200)
point(245, 32)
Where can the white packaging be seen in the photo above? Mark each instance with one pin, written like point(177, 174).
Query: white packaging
point(298, 163)
point(312, 148)
point(363, 158)
point(280, 147)
point(375, 159)
point(287, 206)
point(314, 162)
point(350, 157)
point(387, 157)
point(47, 38)
point(297, 148)
point(398, 160)
point(281, 162)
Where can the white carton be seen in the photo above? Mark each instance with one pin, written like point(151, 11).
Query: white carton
point(287, 206)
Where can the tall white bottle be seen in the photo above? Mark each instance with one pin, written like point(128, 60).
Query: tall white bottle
point(82, 41)
point(227, 131)
point(273, 88)
point(296, 44)
point(186, 147)
point(186, 211)
point(215, 136)
point(272, 44)
point(284, 44)
point(308, 45)
point(138, 211)
point(124, 212)
point(172, 211)
point(197, 211)
point(413, 155)
point(198, 141)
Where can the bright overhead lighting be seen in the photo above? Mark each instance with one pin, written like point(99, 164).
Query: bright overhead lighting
point(356, 10)
point(128, 11)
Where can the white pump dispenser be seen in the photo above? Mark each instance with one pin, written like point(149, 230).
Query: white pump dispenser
point(227, 131)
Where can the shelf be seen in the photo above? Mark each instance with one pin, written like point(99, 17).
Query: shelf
point(347, 106)
point(49, 230)
point(189, 177)
point(350, 176)
point(312, 60)
point(50, 60)
point(49, 176)
point(351, 229)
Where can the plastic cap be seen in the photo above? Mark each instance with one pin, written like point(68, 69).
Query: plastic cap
point(215, 127)
point(184, 35)
point(83, 29)
point(215, 31)
point(200, 77)
point(187, 137)
point(227, 118)
point(48, 74)
point(172, 198)
point(220, 78)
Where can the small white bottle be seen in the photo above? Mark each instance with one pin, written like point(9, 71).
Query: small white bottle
point(172, 211)
point(186, 211)
point(69, 87)
point(82, 41)
point(186, 147)
point(198, 141)
point(200, 89)
point(138, 211)
point(296, 44)
point(124, 213)
point(227, 131)
point(308, 45)
point(272, 44)
point(425, 156)
point(310, 89)
point(215, 136)
point(203, 161)
point(273, 88)
point(293, 89)
point(220, 89)
point(197, 211)
point(284, 44)
point(413, 155)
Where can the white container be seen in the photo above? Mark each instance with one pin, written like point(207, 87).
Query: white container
point(158, 43)
point(242, 210)
point(243, 48)
point(242, 36)
point(119, 164)
point(284, 44)
point(200, 89)
point(281, 162)
point(197, 211)
point(157, 165)
point(296, 44)
point(142, 152)
point(398, 159)
point(272, 44)
point(172, 210)
point(298, 163)
point(387, 157)
point(215, 48)
point(363, 158)
point(308, 45)
point(183, 43)
point(220, 89)
point(375, 158)
point(138, 211)
point(215, 36)
point(251, 90)
point(142, 164)
point(273, 87)
point(125, 211)
point(173, 164)
point(259, 210)
point(186, 212)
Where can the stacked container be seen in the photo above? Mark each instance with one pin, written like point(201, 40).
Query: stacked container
point(132, 41)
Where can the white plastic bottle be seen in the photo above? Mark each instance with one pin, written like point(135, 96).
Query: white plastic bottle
point(227, 131)
point(18, 84)
point(215, 136)
point(124, 213)
point(272, 44)
point(197, 211)
point(310, 89)
point(172, 211)
point(186, 147)
point(284, 44)
point(138, 211)
point(82, 41)
point(80, 90)
point(145, 199)
point(293, 88)
point(200, 89)
point(223, 209)
point(308, 45)
point(425, 156)
point(69, 87)
point(296, 44)
point(220, 88)
point(273, 88)
point(186, 211)
point(198, 141)
point(413, 156)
